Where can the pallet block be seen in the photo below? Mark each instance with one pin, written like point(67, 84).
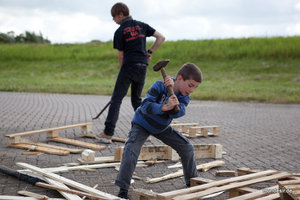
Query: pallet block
point(18, 140)
point(289, 189)
point(212, 187)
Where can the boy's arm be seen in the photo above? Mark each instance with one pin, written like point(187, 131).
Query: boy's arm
point(121, 57)
point(158, 41)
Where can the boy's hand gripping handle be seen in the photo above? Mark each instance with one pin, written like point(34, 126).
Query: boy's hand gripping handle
point(169, 88)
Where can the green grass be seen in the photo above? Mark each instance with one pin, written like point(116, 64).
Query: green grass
point(250, 69)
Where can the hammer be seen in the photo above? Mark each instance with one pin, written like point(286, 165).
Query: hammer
point(160, 66)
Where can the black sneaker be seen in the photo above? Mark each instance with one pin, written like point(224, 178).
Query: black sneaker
point(123, 193)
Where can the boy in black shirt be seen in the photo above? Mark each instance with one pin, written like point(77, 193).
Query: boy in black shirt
point(130, 41)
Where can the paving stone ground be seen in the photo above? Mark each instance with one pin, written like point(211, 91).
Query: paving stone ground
point(256, 135)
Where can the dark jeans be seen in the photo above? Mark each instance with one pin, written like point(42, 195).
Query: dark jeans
point(135, 75)
point(137, 137)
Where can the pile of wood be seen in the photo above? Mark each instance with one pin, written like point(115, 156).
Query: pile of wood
point(237, 187)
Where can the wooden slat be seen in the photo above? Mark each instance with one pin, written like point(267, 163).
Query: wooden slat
point(213, 190)
point(51, 146)
point(171, 194)
point(76, 143)
point(40, 149)
point(48, 130)
point(256, 194)
point(67, 181)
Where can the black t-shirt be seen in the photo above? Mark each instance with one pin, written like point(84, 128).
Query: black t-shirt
point(130, 38)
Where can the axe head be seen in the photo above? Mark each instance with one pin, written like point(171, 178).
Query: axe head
point(160, 64)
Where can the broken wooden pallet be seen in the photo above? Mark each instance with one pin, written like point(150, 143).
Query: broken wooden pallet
point(68, 182)
point(18, 140)
point(212, 187)
point(192, 130)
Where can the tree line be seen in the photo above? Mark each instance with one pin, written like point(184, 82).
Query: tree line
point(27, 37)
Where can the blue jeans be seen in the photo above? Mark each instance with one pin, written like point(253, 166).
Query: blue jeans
point(137, 137)
point(135, 75)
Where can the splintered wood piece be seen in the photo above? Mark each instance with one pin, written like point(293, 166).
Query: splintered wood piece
point(40, 149)
point(204, 167)
point(77, 143)
point(67, 181)
point(32, 194)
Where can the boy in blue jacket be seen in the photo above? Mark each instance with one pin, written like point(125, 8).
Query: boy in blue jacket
point(153, 117)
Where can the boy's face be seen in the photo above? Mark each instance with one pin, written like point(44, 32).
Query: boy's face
point(118, 18)
point(186, 87)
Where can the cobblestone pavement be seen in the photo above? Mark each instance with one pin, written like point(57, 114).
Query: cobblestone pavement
point(256, 135)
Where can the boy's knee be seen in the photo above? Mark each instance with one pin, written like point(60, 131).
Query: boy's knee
point(187, 151)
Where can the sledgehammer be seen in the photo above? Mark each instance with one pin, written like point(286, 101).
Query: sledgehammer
point(160, 66)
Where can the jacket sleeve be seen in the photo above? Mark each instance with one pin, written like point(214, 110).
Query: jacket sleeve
point(150, 105)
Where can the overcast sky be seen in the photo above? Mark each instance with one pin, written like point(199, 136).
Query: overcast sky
point(77, 21)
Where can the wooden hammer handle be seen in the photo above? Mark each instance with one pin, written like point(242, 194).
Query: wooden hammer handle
point(169, 88)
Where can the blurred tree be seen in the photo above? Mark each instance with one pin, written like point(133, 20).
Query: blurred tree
point(29, 37)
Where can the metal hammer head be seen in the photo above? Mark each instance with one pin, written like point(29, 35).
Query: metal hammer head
point(160, 64)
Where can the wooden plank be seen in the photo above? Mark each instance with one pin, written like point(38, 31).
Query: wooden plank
point(213, 190)
point(171, 194)
point(32, 194)
point(147, 153)
point(204, 167)
point(104, 159)
point(80, 167)
point(67, 181)
point(40, 149)
point(48, 130)
point(77, 143)
point(142, 194)
point(71, 150)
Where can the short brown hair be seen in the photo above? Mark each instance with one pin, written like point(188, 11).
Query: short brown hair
point(119, 8)
point(190, 71)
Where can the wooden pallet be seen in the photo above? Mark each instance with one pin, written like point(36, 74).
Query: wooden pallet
point(165, 152)
point(289, 189)
point(193, 130)
point(17, 140)
point(237, 185)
